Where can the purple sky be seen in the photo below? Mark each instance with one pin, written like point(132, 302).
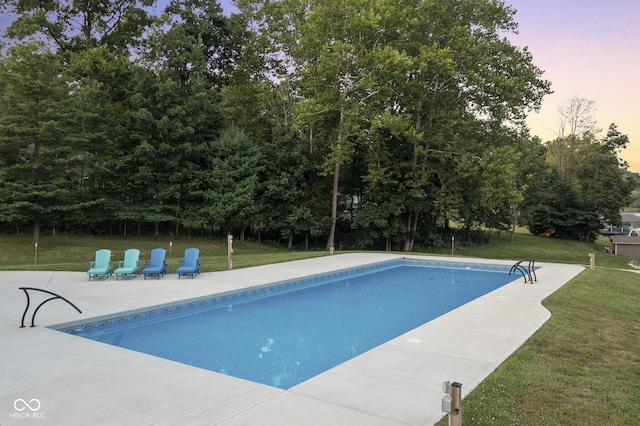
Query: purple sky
point(589, 49)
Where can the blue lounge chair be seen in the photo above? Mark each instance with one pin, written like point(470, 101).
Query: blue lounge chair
point(157, 265)
point(130, 265)
point(190, 265)
point(101, 267)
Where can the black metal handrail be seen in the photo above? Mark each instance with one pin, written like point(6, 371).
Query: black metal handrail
point(528, 271)
point(33, 318)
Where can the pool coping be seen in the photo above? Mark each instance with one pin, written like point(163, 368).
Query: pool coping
point(398, 382)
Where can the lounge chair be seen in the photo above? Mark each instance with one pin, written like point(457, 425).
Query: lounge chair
point(101, 267)
point(190, 265)
point(156, 265)
point(130, 265)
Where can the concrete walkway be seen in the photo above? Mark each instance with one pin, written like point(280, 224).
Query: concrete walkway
point(52, 378)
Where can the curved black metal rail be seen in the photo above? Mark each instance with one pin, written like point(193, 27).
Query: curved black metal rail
point(528, 271)
point(33, 318)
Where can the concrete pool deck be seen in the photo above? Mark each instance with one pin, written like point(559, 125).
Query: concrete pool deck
point(52, 378)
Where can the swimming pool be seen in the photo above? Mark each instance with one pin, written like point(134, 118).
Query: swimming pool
point(288, 332)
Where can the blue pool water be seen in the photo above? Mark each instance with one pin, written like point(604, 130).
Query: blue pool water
point(287, 333)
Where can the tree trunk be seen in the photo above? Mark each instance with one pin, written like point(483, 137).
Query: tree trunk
point(334, 207)
point(412, 228)
point(407, 242)
point(515, 221)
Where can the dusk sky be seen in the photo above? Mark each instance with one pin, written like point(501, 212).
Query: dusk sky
point(589, 49)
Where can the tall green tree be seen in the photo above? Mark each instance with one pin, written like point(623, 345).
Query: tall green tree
point(427, 66)
point(462, 69)
point(264, 107)
point(105, 88)
point(40, 168)
point(231, 185)
point(188, 56)
point(602, 185)
point(334, 47)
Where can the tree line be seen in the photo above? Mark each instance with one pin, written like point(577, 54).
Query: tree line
point(362, 123)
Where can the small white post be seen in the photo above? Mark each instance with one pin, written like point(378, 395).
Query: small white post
point(35, 265)
point(170, 246)
point(453, 244)
point(230, 251)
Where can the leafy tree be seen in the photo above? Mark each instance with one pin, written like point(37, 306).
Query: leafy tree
point(596, 190)
point(602, 185)
point(575, 118)
point(264, 109)
point(530, 164)
point(426, 67)
point(443, 86)
point(334, 47)
point(76, 25)
point(381, 206)
point(551, 205)
point(459, 69)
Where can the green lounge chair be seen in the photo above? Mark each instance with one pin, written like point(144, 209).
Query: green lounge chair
point(101, 267)
point(156, 265)
point(130, 265)
point(190, 265)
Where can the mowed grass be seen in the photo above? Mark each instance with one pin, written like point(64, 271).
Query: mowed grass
point(72, 253)
point(62, 253)
point(543, 249)
point(581, 368)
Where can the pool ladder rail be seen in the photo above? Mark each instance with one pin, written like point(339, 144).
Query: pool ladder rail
point(528, 271)
point(33, 318)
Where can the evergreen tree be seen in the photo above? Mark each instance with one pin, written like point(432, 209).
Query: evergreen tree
point(41, 171)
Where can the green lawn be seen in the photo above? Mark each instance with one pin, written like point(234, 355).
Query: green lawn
point(581, 368)
point(74, 253)
point(62, 253)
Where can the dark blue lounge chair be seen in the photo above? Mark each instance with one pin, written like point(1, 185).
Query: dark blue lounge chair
point(157, 264)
